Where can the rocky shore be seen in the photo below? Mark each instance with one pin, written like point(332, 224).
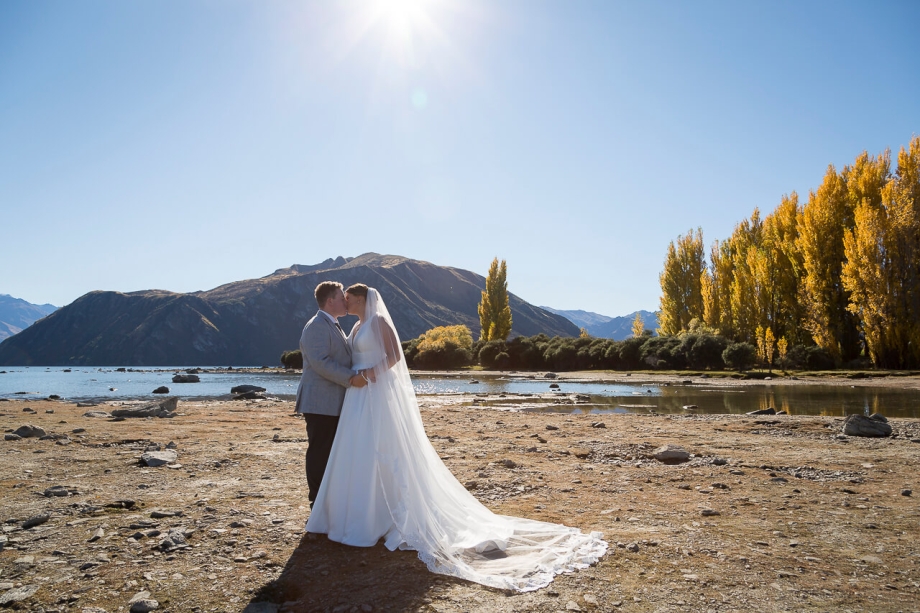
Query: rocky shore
point(202, 509)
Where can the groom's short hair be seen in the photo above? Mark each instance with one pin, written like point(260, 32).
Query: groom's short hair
point(325, 290)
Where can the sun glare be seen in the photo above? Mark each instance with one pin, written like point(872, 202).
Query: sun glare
point(403, 17)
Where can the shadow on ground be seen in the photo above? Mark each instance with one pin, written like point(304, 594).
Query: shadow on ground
point(325, 576)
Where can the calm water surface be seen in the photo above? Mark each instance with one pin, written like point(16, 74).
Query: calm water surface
point(85, 383)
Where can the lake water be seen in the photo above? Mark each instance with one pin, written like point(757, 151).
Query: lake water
point(85, 384)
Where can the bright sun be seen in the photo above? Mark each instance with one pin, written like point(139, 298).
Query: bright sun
point(403, 16)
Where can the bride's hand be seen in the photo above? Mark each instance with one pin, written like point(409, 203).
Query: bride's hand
point(370, 375)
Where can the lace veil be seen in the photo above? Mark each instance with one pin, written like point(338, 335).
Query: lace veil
point(433, 513)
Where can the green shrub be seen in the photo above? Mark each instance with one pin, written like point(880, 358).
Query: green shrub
point(292, 359)
point(739, 356)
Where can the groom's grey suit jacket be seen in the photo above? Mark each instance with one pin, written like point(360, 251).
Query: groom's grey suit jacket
point(326, 367)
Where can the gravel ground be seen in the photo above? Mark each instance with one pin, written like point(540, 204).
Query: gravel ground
point(769, 514)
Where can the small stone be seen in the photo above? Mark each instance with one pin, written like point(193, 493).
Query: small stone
point(145, 606)
point(36, 520)
point(709, 513)
point(633, 547)
point(572, 606)
point(590, 599)
point(18, 594)
point(906, 492)
point(671, 454)
point(98, 534)
point(12, 437)
point(509, 463)
point(161, 390)
point(159, 458)
point(551, 427)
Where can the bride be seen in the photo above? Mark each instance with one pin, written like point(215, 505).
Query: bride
point(385, 480)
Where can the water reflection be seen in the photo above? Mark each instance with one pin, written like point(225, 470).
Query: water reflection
point(827, 400)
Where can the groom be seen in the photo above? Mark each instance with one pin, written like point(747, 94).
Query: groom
point(326, 373)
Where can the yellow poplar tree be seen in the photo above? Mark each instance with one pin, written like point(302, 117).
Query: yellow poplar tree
point(681, 289)
point(494, 310)
point(638, 326)
point(882, 270)
point(745, 239)
point(716, 284)
point(824, 219)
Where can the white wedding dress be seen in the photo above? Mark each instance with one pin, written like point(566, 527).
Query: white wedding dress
point(385, 480)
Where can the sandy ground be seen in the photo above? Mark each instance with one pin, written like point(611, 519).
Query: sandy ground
point(770, 514)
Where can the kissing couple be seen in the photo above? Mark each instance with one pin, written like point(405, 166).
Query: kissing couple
point(372, 472)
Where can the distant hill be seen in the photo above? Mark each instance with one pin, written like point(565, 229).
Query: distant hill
point(252, 322)
point(16, 314)
point(602, 326)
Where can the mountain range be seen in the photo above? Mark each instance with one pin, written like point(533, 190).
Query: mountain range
point(602, 326)
point(253, 321)
point(16, 314)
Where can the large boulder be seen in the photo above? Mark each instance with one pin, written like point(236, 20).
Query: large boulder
point(859, 425)
point(164, 408)
point(29, 431)
point(161, 390)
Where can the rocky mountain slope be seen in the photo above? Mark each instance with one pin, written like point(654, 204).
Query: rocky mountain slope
point(252, 322)
point(17, 314)
point(602, 326)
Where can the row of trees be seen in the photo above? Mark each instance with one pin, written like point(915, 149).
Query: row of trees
point(697, 348)
point(841, 272)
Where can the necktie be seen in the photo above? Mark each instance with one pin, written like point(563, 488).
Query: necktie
point(340, 328)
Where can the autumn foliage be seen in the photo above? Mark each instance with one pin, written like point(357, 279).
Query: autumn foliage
point(839, 273)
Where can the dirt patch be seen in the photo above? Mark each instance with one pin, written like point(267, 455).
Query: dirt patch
point(769, 514)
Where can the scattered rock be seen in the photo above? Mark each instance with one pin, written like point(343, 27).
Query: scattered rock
point(60, 490)
point(98, 534)
point(633, 547)
point(35, 520)
point(553, 386)
point(550, 375)
point(906, 492)
point(29, 431)
point(249, 396)
point(95, 413)
point(161, 390)
point(159, 458)
point(551, 427)
point(186, 379)
point(18, 594)
point(509, 463)
point(164, 408)
point(598, 424)
point(709, 512)
point(671, 454)
point(242, 389)
point(860, 425)
point(12, 437)
point(767, 411)
point(174, 539)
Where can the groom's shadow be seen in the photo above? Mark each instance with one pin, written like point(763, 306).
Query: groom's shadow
point(322, 575)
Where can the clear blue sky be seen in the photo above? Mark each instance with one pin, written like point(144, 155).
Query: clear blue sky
point(180, 145)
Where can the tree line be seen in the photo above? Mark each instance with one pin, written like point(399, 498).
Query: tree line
point(840, 272)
